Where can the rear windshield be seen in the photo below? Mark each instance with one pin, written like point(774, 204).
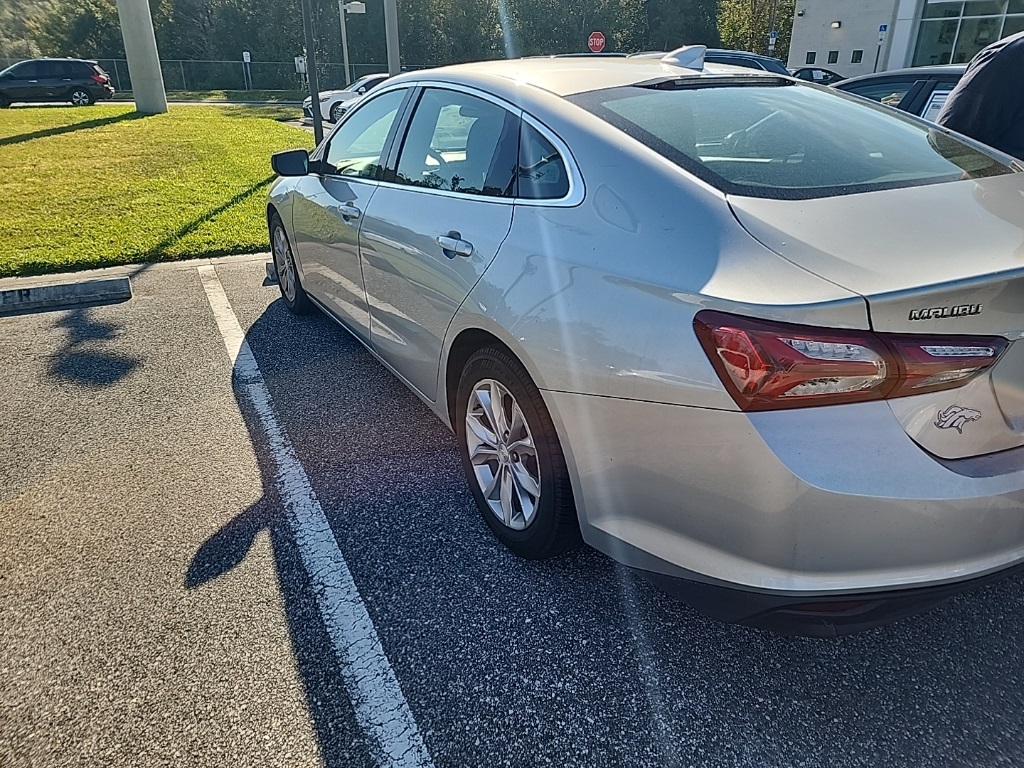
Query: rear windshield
point(783, 140)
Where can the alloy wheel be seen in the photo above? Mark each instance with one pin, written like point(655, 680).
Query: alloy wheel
point(503, 454)
point(80, 98)
point(284, 264)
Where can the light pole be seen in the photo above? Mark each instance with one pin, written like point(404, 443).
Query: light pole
point(344, 8)
point(391, 33)
point(311, 76)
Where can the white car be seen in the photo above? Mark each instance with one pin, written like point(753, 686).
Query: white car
point(333, 103)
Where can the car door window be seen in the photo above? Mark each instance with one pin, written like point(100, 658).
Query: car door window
point(888, 92)
point(460, 143)
point(542, 172)
point(355, 149)
point(49, 69)
point(28, 70)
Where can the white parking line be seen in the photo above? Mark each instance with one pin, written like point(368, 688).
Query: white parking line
point(380, 707)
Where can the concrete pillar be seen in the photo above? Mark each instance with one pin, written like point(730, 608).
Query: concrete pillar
point(903, 34)
point(143, 59)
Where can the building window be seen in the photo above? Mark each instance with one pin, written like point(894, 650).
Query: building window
point(857, 58)
point(833, 57)
point(811, 56)
point(953, 32)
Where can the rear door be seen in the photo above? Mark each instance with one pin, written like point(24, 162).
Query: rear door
point(434, 227)
point(54, 79)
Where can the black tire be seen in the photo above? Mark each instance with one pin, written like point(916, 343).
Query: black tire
point(80, 97)
point(298, 302)
point(337, 112)
point(554, 528)
point(4, 102)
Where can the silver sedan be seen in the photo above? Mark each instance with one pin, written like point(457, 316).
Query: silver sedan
point(754, 338)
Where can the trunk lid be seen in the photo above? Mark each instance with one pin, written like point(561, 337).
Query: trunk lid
point(945, 259)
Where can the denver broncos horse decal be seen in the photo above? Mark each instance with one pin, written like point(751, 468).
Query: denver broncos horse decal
point(956, 416)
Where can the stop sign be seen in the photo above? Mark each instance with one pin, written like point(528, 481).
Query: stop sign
point(596, 42)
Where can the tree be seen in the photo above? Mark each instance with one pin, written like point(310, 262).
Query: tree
point(674, 23)
point(80, 28)
point(16, 18)
point(745, 24)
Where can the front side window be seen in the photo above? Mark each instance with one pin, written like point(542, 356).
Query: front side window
point(356, 147)
point(460, 143)
point(27, 70)
point(785, 140)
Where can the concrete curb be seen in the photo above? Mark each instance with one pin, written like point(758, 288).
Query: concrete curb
point(47, 295)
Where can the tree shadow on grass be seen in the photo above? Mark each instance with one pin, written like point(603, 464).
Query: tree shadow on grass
point(61, 129)
point(160, 248)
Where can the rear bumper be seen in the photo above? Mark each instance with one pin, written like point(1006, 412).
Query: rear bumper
point(809, 505)
point(816, 616)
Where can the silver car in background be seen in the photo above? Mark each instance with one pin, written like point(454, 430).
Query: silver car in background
point(755, 338)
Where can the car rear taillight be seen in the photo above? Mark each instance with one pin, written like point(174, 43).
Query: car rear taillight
point(766, 365)
point(101, 79)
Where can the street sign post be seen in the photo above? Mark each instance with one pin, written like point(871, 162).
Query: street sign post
point(596, 42)
point(772, 37)
point(883, 31)
point(246, 71)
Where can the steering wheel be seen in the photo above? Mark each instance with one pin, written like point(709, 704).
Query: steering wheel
point(446, 168)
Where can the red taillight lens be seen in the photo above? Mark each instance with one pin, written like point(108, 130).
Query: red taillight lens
point(101, 79)
point(768, 365)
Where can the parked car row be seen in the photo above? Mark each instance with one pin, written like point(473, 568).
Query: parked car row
point(716, 323)
point(334, 103)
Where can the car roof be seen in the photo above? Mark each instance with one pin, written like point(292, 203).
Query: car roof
point(572, 75)
point(748, 54)
point(938, 69)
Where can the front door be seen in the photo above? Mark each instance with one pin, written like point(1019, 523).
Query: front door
point(24, 82)
point(428, 236)
point(330, 206)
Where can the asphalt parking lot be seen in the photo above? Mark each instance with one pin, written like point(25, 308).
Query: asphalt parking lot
point(162, 602)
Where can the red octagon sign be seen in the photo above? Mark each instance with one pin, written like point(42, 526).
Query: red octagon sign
point(596, 42)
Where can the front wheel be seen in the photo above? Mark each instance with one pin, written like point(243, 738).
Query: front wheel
point(513, 459)
point(4, 102)
point(81, 97)
point(337, 112)
point(292, 292)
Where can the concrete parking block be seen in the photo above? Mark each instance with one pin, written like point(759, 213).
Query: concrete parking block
point(26, 294)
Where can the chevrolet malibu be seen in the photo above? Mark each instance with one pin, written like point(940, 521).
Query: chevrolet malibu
point(756, 339)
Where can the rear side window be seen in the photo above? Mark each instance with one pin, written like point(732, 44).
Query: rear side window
point(51, 68)
point(542, 172)
point(784, 140)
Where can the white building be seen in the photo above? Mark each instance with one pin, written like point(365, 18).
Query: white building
point(849, 36)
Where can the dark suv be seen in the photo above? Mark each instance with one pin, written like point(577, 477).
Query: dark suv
point(80, 82)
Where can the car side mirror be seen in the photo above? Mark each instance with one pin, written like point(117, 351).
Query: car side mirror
point(291, 162)
point(361, 89)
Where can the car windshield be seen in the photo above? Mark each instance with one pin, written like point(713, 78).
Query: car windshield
point(779, 139)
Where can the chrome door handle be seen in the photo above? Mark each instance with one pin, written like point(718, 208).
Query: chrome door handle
point(348, 211)
point(453, 245)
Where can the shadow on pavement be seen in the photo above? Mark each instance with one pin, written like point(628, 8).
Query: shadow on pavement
point(81, 358)
point(508, 662)
point(57, 131)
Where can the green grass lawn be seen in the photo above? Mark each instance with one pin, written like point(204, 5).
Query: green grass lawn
point(100, 186)
point(215, 96)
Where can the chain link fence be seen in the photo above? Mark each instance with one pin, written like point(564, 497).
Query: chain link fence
point(191, 75)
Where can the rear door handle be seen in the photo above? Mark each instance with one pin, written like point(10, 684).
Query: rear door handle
point(348, 211)
point(453, 245)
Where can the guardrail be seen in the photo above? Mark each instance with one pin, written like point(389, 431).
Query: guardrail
point(202, 75)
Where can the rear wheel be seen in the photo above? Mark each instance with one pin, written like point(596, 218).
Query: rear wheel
point(294, 295)
point(81, 97)
point(513, 459)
